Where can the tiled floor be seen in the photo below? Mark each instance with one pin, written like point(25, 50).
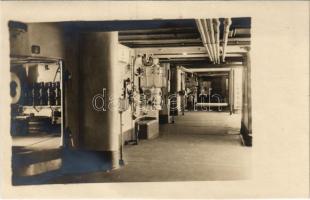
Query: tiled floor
point(200, 146)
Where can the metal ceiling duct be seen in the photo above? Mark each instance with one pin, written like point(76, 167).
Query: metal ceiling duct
point(216, 25)
point(227, 23)
point(211, 33)
point(204, 38)
point(240, 32)
point(207, 34)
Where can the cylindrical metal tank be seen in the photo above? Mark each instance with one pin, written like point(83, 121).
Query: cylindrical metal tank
point(100, 88)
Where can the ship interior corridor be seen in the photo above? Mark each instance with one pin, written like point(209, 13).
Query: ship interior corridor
point(193, 148)
point(130, 101)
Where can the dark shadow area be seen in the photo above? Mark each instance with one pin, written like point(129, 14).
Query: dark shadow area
point(32, 167)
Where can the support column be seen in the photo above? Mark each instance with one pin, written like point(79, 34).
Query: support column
point(231, 91)
point(248, 59)
point(100, 88)
point(246, 122)
point(174, 91)
point(164, 114)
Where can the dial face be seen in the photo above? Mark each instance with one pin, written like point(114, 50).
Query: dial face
point(15, 88)
point(147, 61)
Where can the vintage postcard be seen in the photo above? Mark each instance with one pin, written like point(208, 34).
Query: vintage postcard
point(152, 99)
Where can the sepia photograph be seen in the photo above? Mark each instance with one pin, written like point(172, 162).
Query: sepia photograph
point(127, 101)
point(148, 100)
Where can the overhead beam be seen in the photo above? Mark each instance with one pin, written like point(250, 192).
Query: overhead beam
point(159, 36)
point(171, 50)
point(159, 31)
point(236, 49)
point(229, 65)
point(203, 64)
point(205, 70)
point(161, 41)
point(181, 56)
point(240, 32)
point(227, 69)
point(239, 39)
point(171, 56)
point(235, 32)
point(206, 74)
point(183, 59)
point(175, 40)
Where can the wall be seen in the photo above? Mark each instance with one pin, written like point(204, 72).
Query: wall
point(19, 43)
point(49, 36)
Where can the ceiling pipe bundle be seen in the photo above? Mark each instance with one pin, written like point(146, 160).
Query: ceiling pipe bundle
point(204, 38)
point(216, 24)
point(207, 34)
point(210, 34)
point(227, 23)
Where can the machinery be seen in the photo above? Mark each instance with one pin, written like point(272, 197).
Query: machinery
point(36, 98)
point(153, 80)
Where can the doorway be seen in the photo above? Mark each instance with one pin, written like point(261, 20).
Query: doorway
point(36, 118)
